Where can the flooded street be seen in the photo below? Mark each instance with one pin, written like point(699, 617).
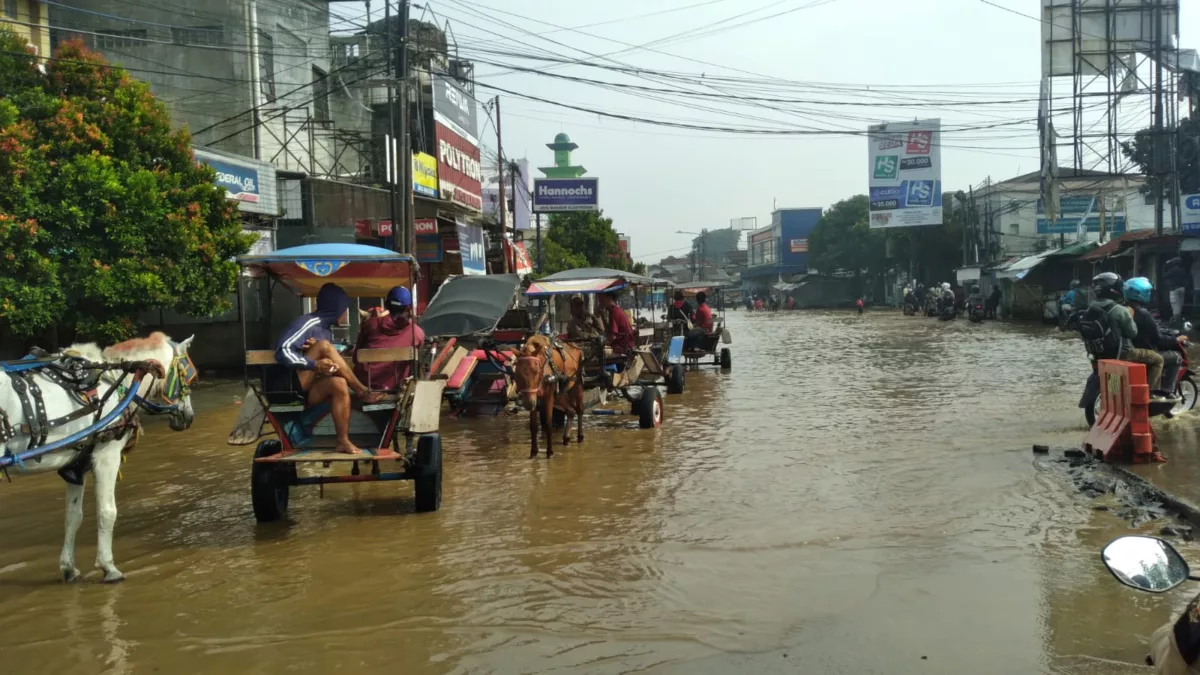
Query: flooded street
point(857, 496)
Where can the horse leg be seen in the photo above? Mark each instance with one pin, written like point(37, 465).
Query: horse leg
point(533, 431)
point(66, 560)
point(548, 419)
point(106, 463)
point(567, 410)
point(578, 404)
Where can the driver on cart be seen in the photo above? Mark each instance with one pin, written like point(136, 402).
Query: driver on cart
point(620, 335)
point(389, 330)
point(306, 347)
point(702, 321)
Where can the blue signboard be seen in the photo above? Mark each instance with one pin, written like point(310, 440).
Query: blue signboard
point(1072, 210)
point(1191, 214)
point(471, 248)
point(240, 182)
point(554, 195)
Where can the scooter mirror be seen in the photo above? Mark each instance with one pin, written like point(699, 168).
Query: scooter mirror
point(1145, 563)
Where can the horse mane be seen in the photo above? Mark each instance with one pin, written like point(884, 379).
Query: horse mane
point(155, 346)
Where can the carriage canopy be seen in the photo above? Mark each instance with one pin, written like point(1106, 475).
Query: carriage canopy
point(362, 271)
point(470, 305)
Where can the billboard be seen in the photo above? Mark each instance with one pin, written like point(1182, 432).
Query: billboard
point(1076, 210)
point(249, 182)
point(471, 248)
point(906, 173)
point(555, 195)
point(459, 178)
point(455, 108)
point(424, 173)
point(1190, 211)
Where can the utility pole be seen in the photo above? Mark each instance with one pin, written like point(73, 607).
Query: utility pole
point(404, 230)
point(503, 202)
point(1159, 139)
point(538, 218)
point(389, 138)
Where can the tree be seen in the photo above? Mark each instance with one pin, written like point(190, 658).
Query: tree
point(104, 212)
point(556, 258)
point(843, 241)
point(639, 268)
point(1140, 151)
point(587, 234)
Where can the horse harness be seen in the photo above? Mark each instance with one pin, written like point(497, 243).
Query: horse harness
point(555, 376)
point(80, 378)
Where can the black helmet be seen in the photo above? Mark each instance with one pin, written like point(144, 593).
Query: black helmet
point(1107, 285)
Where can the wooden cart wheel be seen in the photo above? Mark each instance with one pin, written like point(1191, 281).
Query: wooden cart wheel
point(650, 408)
point(269, 484)
point(675, 379)
point(428, 482)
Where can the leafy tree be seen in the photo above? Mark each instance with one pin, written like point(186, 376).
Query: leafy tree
point(556, 258)
point(639, 268)
point(104, 212)
point(1140, 150)
point(587, 234)
point(843, 241)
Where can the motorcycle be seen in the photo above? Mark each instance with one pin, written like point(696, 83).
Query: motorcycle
point(947, 312)
point(1152, 565)
point(975, 312)
point(1186, 388)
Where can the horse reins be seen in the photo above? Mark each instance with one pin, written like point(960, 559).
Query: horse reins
point(555, 376)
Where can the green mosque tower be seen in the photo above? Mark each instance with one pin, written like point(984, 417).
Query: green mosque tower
point(562, 147)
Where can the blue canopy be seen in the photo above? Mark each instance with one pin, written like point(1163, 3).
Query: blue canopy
point(330, 251)
point(362, 271)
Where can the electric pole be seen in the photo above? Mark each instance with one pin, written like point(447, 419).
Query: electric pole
point(503, 202)
point(404, 229)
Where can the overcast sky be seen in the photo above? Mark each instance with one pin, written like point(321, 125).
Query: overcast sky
point(658, 180)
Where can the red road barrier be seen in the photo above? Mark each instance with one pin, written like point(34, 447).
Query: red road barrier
point(1122, 432)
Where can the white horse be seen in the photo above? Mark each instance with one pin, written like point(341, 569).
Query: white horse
point(167, 395)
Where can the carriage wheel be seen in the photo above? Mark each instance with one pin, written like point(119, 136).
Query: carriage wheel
point(649, 408)
point(675, 379)
point(428, 483)
point(269, 484)
point(726, 359)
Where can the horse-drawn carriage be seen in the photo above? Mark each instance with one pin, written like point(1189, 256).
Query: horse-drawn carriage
point(634, 375)
point(480, 323)
point(709, 344)
point(400, 429)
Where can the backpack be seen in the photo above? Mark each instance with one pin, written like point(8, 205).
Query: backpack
point(1098, 336)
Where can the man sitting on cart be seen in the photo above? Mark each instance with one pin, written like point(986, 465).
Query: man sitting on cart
point(306, 347)
point(390, 330)
point(621, 336)
point(702, 320)
point(583, 325)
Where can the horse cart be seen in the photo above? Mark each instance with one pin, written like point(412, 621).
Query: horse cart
point(635, 376)
point(400, 432)
point(711, 344)
point(478, 321)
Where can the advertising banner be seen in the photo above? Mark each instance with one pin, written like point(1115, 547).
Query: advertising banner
point(798, 246)
point(425, 176)
point(905, 173)
point(455, 108)
point(362, 229)
point(384, 228)
point(1076, 211)
point(471, 248)
point(459, 178)
point(429, 248)
point(555, 195)
point(1190, 210)
point(425, 226)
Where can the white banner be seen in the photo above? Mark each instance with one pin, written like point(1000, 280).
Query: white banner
point(906, 173)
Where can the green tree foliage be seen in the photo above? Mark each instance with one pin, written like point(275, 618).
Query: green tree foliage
point(843, 241)
point(1140, 151)
point(587, 234)
point(639, 268)
point(104, 212)
point(556, 258)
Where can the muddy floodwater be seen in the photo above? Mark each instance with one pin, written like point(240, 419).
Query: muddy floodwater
point(857, 496)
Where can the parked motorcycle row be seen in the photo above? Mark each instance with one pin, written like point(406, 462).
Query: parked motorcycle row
point(940, 302)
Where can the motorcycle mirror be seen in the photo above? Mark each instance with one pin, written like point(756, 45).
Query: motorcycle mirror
point(1145, 563)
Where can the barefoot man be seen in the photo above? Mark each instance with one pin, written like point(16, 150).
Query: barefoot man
point(306, 347)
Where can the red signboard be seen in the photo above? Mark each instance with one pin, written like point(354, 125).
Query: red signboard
point(919, 142)
point(425, 226)
point(385, 228)
point(362, 229)
point(761, 237)
point(799, 246)
point(458, 169)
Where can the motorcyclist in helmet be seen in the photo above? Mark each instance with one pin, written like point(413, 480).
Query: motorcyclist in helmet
point(974, 297)
point(1149, 338)
point(947, 298)
point(1107, 289)
point(1070, 299)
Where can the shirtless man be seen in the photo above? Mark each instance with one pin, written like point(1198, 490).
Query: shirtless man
point(305, 346)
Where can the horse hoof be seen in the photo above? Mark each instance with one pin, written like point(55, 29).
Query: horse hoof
point(113, 577)
point(579, 440)
point(532, 454)
point(71, 576)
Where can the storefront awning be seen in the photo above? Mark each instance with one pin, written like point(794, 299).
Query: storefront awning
point(1022, 267)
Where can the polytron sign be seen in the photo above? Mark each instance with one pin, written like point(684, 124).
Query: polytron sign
point(555, 195)
point(459, 178)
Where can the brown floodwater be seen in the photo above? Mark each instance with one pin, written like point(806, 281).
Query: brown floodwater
point(857, 496)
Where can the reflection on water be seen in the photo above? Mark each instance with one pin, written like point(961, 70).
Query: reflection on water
point(855, 495)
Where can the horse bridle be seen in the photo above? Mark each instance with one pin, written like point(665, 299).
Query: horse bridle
point(178, 385)
point(542, 361)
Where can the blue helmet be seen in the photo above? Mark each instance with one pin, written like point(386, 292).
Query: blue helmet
point(1138, 289)
point(398, 299)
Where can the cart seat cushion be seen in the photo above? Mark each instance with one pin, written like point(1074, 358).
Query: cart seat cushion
point(459, 377)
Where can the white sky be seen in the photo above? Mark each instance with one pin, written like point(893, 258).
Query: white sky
point(657, 180)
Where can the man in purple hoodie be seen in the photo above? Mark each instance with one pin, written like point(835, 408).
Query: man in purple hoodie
point(306, 347)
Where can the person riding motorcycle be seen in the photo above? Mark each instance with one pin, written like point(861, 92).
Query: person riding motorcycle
point(1069, 299)
point(1107, 289)
point(974, 297)
point(1137, 295)
point(948, 298)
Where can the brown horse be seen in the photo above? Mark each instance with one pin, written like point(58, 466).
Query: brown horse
point(552, 375)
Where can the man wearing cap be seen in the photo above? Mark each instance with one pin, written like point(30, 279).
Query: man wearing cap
point(389, 330)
